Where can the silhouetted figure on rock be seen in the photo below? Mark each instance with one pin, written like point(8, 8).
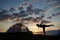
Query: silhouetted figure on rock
point(18, 28)
point(43, 26)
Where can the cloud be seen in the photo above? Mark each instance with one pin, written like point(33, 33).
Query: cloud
point(37, 19)
point(53, 15)
point(54, 4)
point(23, 5)
point(52, 8)
point(19, 19)
point(12, 9)
point(22, 12)
point(49, 17)
point(58, 13)
point(3, 12)
point(45, 21)
point(29, 9)
point(35, 1)
point(15, 15)
point(37, 11)
point(4, 15)
point(25, 0)
point(1, 9)
point(29, 19)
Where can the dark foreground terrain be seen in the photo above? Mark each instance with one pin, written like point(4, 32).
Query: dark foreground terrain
point(26, 36)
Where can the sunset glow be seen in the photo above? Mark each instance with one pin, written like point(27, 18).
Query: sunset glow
point(30, 13)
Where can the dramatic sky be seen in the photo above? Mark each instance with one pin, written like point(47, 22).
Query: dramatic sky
point(30, 12)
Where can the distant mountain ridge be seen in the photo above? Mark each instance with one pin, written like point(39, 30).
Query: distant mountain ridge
point(53, 32)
